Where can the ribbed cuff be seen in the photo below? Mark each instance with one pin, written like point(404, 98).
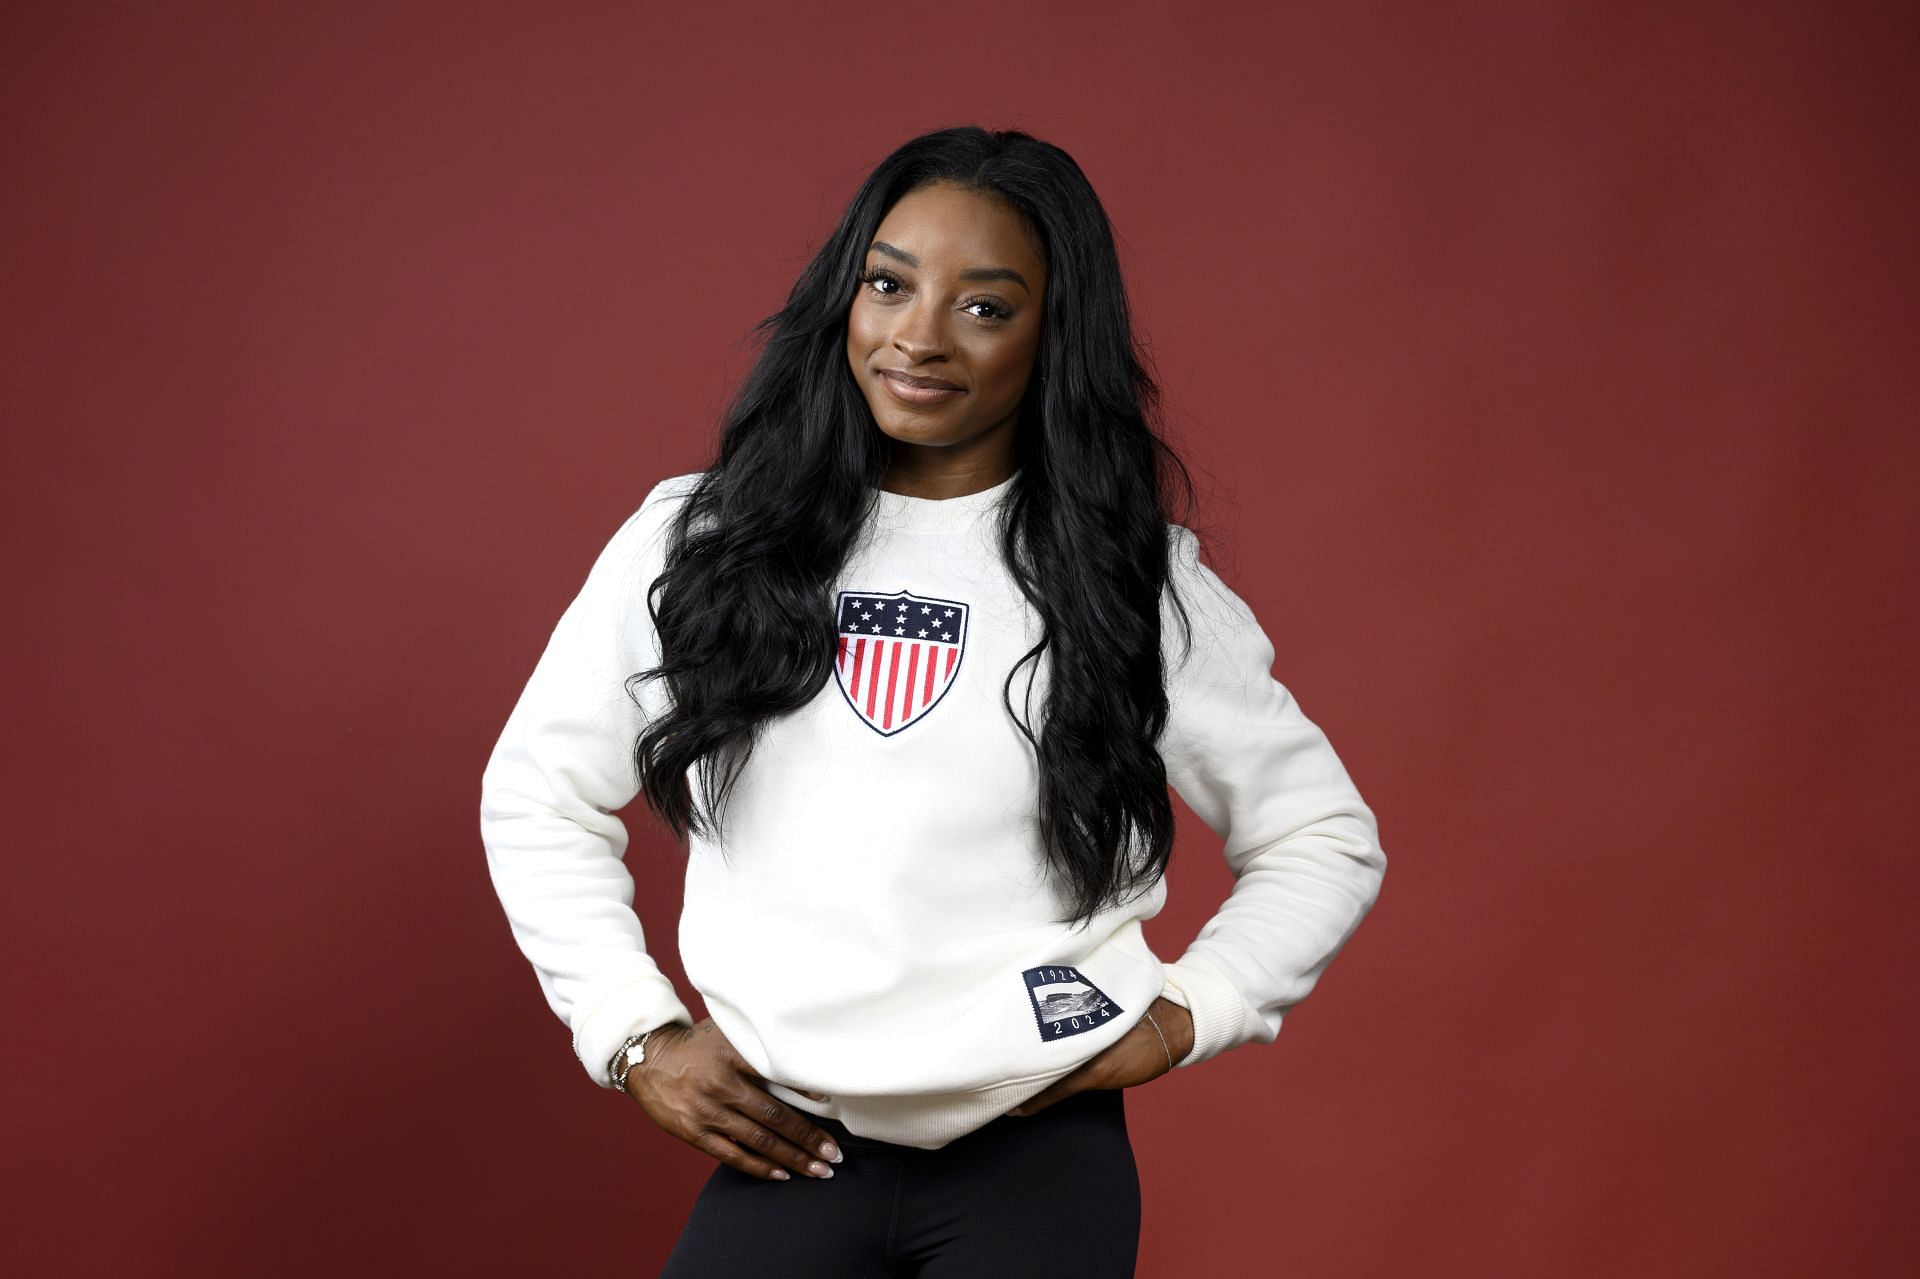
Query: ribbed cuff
point(625, 1011)
point(1221, 1017)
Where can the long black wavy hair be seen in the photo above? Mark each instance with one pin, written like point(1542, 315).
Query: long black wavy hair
point(768, 524)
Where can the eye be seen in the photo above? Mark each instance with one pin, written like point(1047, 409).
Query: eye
point(994, 310)
point(876, 277)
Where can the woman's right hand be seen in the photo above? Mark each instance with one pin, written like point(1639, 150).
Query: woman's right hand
point(693, 1083)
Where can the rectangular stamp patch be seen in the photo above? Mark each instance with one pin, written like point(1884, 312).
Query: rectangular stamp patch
point(1065, 1002)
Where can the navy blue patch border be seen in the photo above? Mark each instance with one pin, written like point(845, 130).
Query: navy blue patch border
point(966, 634)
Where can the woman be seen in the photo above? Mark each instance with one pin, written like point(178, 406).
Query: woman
point(900, 668)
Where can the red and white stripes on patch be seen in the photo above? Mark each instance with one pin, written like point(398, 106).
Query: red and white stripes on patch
point(893, 681)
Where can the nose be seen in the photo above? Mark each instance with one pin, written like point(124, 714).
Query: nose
point(919, 334)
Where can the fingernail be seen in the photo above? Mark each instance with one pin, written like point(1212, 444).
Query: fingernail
point(831, 1151)
point(819, 1169)
point(780, 1174)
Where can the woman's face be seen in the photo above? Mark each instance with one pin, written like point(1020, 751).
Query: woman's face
point(951, 293)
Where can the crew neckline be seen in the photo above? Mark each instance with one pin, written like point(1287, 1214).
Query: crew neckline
point(897, 511)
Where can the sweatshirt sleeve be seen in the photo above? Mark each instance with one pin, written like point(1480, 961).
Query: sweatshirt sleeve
point(561, 767)
point(1303, 846)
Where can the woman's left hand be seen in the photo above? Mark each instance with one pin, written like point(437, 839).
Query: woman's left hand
point(1134, 1058)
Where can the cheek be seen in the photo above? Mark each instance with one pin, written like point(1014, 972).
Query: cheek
point(862, 335)
point(1007, 369)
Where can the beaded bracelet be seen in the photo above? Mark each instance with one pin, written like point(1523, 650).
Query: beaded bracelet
point(616, 1069)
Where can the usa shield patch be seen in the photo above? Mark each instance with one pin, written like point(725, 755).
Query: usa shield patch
point(898, 655)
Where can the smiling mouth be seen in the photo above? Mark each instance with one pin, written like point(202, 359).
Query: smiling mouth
point(925, 383)
point(911, 390)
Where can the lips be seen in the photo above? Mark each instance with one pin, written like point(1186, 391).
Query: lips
point(926, 383)
point(919, 392)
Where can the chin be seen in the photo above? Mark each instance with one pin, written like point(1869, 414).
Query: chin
point(893, 419)
point(919, 432)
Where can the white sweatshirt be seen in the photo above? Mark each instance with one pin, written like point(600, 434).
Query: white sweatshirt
point(878, 926)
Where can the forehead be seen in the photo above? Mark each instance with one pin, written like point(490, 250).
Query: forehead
point(952, 228)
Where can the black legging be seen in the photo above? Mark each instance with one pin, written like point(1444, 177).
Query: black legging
point(1053, 1194)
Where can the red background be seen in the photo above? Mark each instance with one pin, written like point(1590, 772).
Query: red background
point(1549, 367)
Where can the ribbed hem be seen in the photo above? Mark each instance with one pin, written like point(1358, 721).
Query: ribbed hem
point(926, 1120)
point(1222, 1018)
point(898, 513)
point(625, 1011)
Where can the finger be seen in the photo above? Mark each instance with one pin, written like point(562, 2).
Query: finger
point(795, 1125)
point(732, 1156)
point(1086, 1075)
point(744, 1068)
point(1045, 1097)
point(762, 1125)
point(768, 1110)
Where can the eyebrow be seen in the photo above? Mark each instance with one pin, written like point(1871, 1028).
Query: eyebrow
point(978, 273)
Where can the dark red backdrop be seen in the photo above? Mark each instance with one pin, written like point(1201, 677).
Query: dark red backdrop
point(1549, 365)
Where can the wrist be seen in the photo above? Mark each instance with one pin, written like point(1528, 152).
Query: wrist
point(1176, 1023)
point(633, 1055)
